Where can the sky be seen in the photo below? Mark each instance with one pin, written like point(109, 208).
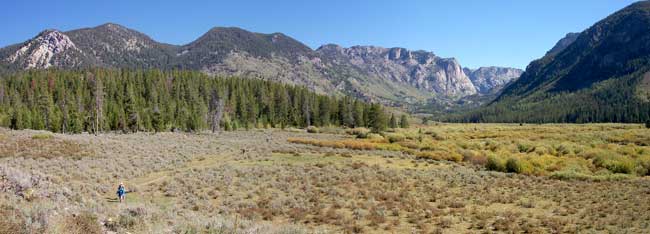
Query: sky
point(476, 32)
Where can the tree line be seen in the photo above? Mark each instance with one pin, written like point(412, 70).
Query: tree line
point(617, 100)
point(98, 100)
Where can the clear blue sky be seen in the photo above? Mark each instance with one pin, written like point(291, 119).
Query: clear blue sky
point(476, 32)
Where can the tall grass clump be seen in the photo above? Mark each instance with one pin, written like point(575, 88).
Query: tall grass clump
point(615, 164)
point(520, 166)
point(495, 163)
point(359, 132)
point(42, 136)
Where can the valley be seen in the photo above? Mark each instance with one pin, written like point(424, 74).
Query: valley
point(257, 181)
point(106, 130)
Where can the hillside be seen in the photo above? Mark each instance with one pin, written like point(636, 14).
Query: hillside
point(600, 75)
point(394, 76)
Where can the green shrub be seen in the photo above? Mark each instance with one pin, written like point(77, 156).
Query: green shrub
point(292, 129)
point(494, 163)
point(575, 175)
point(615, 164)
point(512, 165)
point(395, 137)
point(313, 129)
point(624, 166)
point(519, 166)
point(42, 136)
point(331, 130)
point(439, 155)
point(374, 137)
point(525, 148)
point(643, 166)
point(359, 132)
point(562, 150)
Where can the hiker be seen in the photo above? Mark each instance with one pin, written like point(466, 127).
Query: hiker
point(121, 192)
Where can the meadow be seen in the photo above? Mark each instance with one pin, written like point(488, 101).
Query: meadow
point(564, 151)
point(439, 178)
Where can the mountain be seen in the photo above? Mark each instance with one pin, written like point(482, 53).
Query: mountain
point(491, 79)
point(113, 45)
point(392, 76)
point(234, 51)
point(599, 75)
point(398, 73)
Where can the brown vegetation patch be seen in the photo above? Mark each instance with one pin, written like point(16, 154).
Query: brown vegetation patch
point(42, 146)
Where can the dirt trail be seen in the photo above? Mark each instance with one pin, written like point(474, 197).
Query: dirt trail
point(142, 182)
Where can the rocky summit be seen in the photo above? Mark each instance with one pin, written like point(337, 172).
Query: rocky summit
point(49, 48)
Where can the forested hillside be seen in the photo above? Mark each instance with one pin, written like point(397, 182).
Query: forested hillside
point(599, 75)
point(152, 100)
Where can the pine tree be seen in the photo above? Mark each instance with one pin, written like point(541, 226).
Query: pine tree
point(99, 104)
point(404, 122)
point(392, 122)
point(132, 116)
point(45, 108)
point(358, 114)
point(377, 118)
point(216, 108)
point(324, 111)
point(157, 120)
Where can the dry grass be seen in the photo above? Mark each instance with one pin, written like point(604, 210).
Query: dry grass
point(42, 145)
point(260, 182)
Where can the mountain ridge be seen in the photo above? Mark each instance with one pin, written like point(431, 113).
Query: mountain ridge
point(390, 75)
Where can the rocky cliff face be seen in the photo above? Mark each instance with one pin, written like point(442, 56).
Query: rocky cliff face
point(419, 69)
point(389, 75)
point(490, 79)
point(47, 49)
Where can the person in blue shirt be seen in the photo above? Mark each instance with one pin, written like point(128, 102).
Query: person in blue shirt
point(121, 192)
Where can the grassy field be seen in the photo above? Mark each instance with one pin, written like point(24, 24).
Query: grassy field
point(586, 152)
point(442, 178)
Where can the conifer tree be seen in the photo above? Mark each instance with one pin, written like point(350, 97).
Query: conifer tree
point(404, 122)
point(393, 121)
point(377, 118)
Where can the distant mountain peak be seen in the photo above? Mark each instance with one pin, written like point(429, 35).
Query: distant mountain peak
point(112, 26)
point(489, 79)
